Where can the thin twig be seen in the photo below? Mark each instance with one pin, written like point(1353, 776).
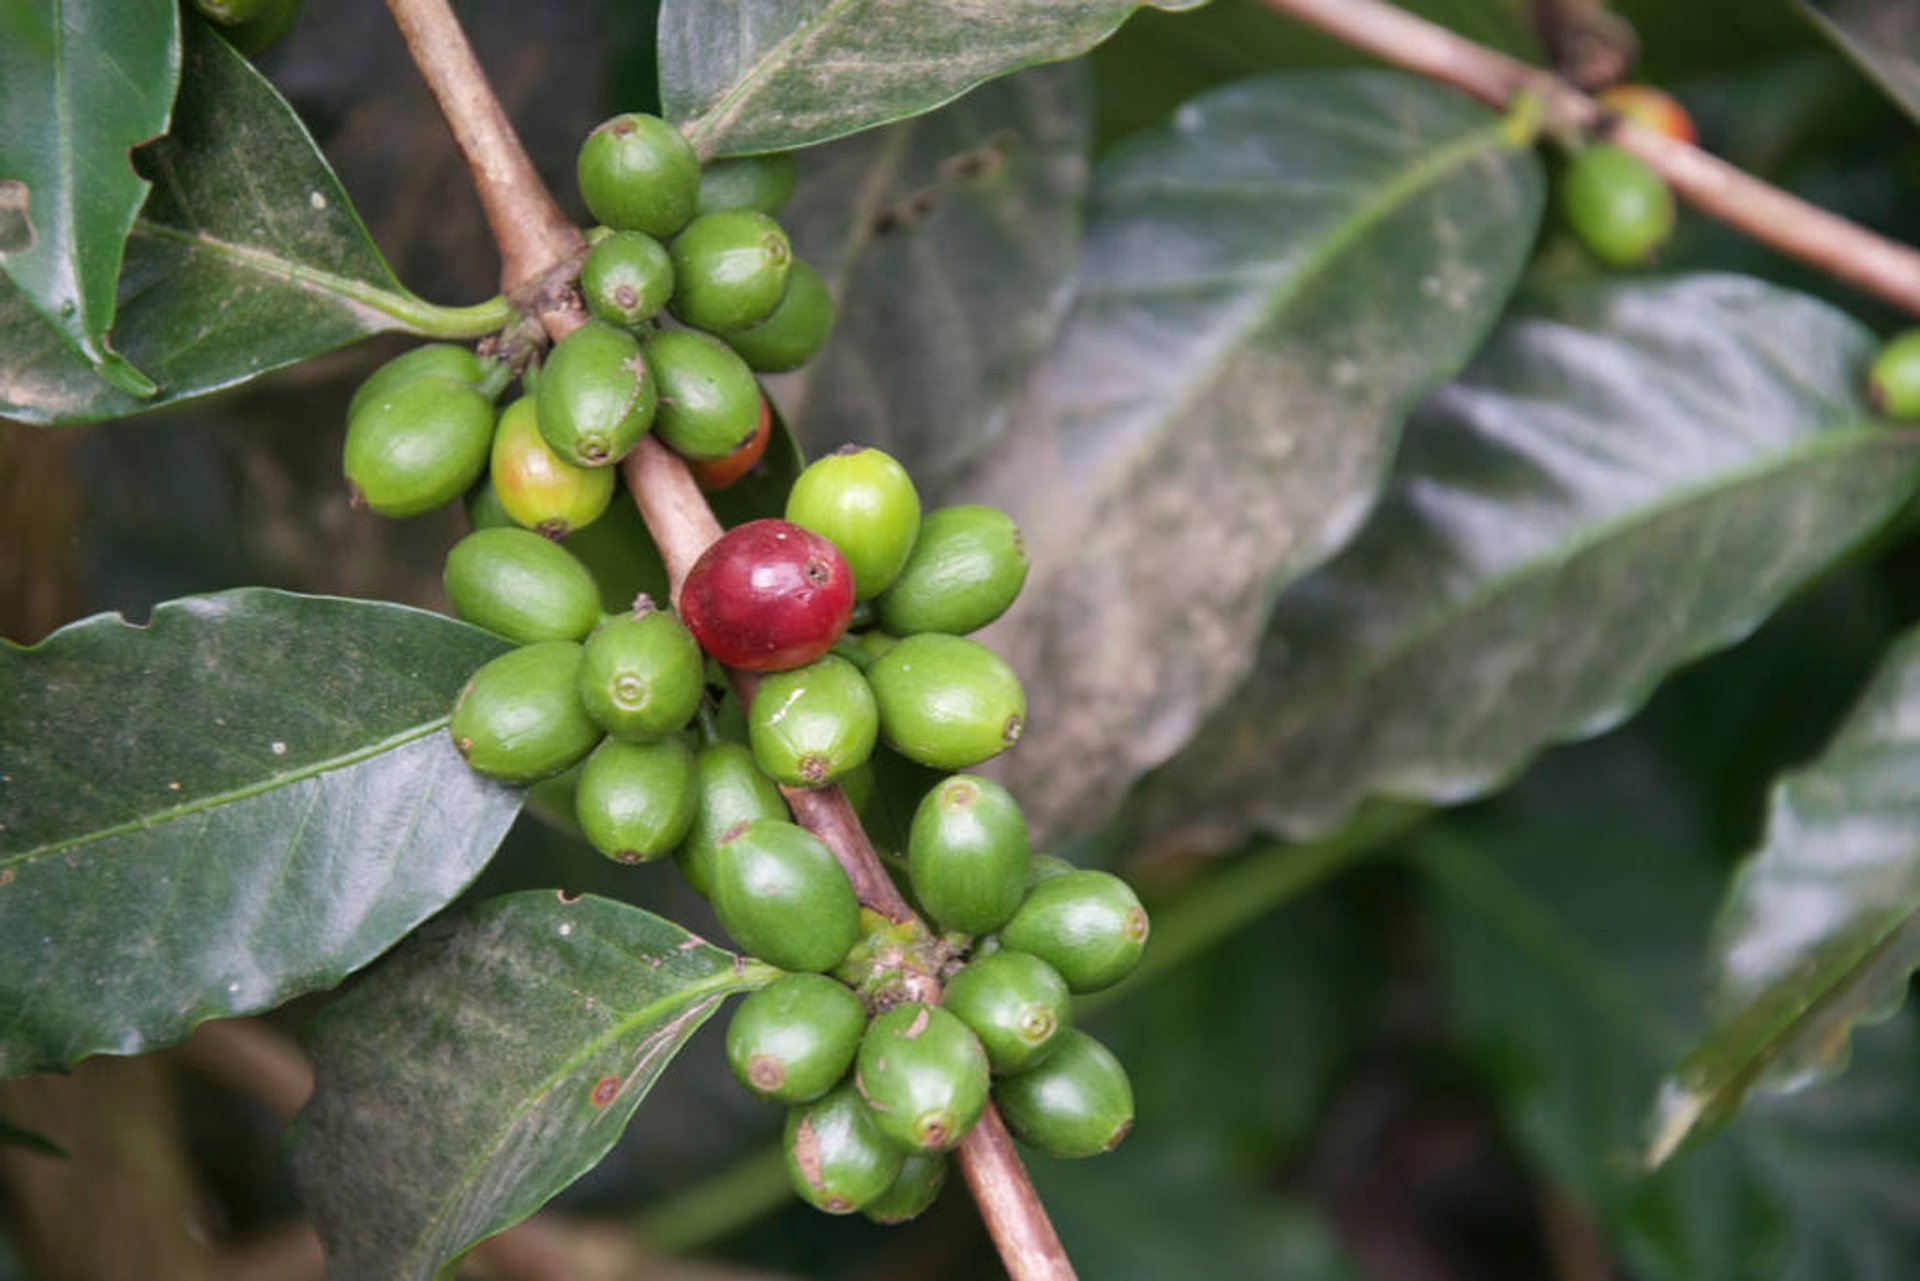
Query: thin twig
point(1805, 231)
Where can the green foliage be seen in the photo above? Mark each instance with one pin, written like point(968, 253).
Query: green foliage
point(1883, 36)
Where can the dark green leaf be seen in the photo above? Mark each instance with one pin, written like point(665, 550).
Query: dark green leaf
point(489, 1063)
point(947, 241)
point(248, 798)
point(82, 83)
point(248, 256)
point(1821, 930)
point(770, 75)
point(1883, 37)
point(1266, 289)
point(1619, 485)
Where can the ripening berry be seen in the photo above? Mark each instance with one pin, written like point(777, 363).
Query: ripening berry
point(635, 800)
point(538, 489)
point(519, 719)
point(1079, 1103)
point(1651, 108)
point(638, 174)
point(768, 595)
point(783, 896)
point(966, 568)
point(791, 1041)
point(715, 474)
point(866, 503)
point(518, 585)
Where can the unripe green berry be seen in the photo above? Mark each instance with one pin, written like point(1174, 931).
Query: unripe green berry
point(538, 489)
point(730, 270)
point(519, 719)
point(924, 1075)
point(596, 396)
point(946, 701)
point(641, 675)
point(1016, 1005)
point(968, 854)
point(1079, 1103)
point(518, 585)
point(836, 1156)
point(627, 278)
point(793, 1039)
point(443, 361)
point(709, 401)
point(484, 510)
point(1894, 381)
point(1619, 207)
point(748, 182)
point(865, 502)
point(417, 444)
point(810, 725)
point(797, 329)
point(967, 566)
point(265, 30)
point(638, 174)
point(783, 897)
point(1087, 925)
point(1047, 866)
point(635, 800)
point(729, 791)
point(916, 1187)
point(232, 12)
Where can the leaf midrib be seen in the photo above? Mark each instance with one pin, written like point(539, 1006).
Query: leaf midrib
point(387, 302)
point(714, 117)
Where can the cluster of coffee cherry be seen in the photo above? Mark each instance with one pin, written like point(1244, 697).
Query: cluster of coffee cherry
point(844, 625)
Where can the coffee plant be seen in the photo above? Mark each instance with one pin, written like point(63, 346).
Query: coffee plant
point(1313, 599)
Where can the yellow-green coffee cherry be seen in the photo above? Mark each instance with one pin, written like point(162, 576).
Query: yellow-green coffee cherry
point(968, 854)
point(946, 701)
point(729, 790)
point(1087, 925)
point(1015, 1003)
point(1078, 1103)
point(519, 719)
point(797, 329)
point(730, 270)
point(518, 585)
point(810, 725)
point(538, 489)
point(418, 443)
point(916, 1187)
point(837, 1158)
point(709, 401)
point(439, 360)
point(967, 566)
point(864, 501)
point(642, 675)
point(635, 800)
point(924, 1075)
point(748, 182)
point(1893, 383)
point(1619, 207)
point(596, 397)
point(638, 174)
point(783, 897)
point(626, 278)
point(791, 1041)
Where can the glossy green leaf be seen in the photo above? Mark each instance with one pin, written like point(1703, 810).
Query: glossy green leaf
point(1882, 37)
point(247, 256)
point(82, 83)
point(486, 1065)
point(1619, 485)
point(741, 76)
point(947, 241)
point(1821, 929)
point(248, 798)
point(1266, 289)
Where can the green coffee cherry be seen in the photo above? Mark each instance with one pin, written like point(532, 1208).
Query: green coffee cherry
point(538, 489)
point(968, 854)
point(635, 800)
point(442, 361)
point(783, 897)
point(1894, 381)
point(793, 1039)
point(1045, 867)
point(966, 568)
point(1619, 207)
point(864, 501)
point(812, 724)
point(259, 34)
point(519, 719)
point(836, 1156)
point(619, 552)
point(924, 1075)
point(916, 1187)
point(518, 585)
point(797, 329)
point(709, 402)
point(946, 701)
point(627, 278)
point(416, 445)
point(748, 182)
point(638, 174)
point(642, 674)
point(1015, 1003)
point(729, 790)
point(1087, 925)
point(730, 270)
point(1078, 1103)
point(597, 396)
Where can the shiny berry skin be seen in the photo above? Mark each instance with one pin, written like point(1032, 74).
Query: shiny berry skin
point(709, 401)
point(965, 569)
point(1894, 381)
point(635, 801)
point(715, 474)
point(597, 396)
point(729, 790)
point(1620, 209)
point(518, 585)
point(866, 503)
point(797, 329)
point(538, 489)
point(924, 1075)
point(811, 725)
point(638, 174)
point(836, 1156)
point(641, 675)
point(791, 1041)
point(767, 596)
point(1089, 926)
point(519, 719)
point(946, 701)
point(417, 444)
point(916, 1187)
point(968, 854)
point(748, 182)
point(627, 278)
point(1651, 108)
point(783, 896)
point(443, 361)
point(1015, 1003)
point(1079, 1103)
point(730, 270)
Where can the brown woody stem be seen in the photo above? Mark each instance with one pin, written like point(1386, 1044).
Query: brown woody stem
point(539, 252)
point(1805, 231)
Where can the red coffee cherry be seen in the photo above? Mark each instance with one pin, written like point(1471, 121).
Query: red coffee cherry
point(767, 596)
